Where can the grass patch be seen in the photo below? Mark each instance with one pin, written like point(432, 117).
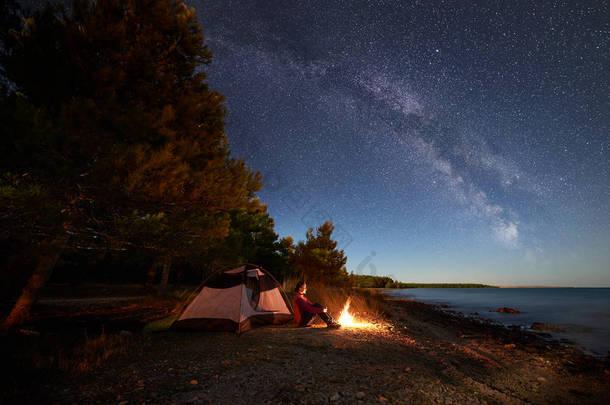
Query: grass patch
point(160, 325)
point(93, 353)
point(29, 359)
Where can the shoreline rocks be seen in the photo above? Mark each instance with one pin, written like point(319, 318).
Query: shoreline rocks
point(546, 326)
point(506, 310)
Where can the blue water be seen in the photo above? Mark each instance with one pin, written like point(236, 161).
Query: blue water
point(583, 312)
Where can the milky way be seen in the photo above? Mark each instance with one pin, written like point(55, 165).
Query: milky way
point(447, 141)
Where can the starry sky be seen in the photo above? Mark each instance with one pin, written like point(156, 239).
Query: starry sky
point(448, 141)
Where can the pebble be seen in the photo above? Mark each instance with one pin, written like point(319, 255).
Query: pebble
point(29, 332)
point(360, 395)
point(193, 382)
point(334, 397)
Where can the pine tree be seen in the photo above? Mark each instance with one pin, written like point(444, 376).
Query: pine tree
point(318, 259)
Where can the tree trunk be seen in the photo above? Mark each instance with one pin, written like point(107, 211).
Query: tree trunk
point(165, 276)
point(204, 272)
point(179, 273)
point(46, 263)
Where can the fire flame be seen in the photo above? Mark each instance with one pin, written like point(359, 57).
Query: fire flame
point(347, 320)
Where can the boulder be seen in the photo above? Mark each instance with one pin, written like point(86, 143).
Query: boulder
point(507, 310)
point(546, 326)
point(538, 326)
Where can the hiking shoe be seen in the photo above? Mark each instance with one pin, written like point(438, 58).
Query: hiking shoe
point(334, 325)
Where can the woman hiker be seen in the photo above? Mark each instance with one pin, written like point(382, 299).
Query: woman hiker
point(304, 310)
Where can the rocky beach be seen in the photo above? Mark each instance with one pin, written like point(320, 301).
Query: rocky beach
point(413, 353)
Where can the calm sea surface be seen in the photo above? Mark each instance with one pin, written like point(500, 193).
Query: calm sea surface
point(584, 313)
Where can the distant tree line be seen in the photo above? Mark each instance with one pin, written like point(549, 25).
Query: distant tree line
point(367, 281)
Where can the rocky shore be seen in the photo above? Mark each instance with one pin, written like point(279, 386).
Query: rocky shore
point(417, 354)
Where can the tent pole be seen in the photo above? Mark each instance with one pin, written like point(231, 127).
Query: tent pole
point(241, 299)
point(287, 301)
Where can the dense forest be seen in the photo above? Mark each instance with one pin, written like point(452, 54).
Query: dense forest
point(115, 163)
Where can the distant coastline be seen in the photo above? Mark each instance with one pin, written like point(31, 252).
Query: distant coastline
point(533, 286)
point(370, 281)
point(443, 285)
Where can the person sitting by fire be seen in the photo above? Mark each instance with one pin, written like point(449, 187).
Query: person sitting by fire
point(304, 310)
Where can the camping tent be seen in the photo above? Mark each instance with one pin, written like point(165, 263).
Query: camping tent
point(236, 300)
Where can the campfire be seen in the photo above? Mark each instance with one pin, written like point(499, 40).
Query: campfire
point(347, 320)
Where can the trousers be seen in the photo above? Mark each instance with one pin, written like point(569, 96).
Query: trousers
point(307, 316)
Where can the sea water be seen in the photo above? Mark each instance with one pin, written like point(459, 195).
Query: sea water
point(583, 314)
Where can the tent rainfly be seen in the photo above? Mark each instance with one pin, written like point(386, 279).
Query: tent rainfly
point(236, 300)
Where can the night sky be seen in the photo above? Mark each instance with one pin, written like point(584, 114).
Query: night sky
point(448, 141)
